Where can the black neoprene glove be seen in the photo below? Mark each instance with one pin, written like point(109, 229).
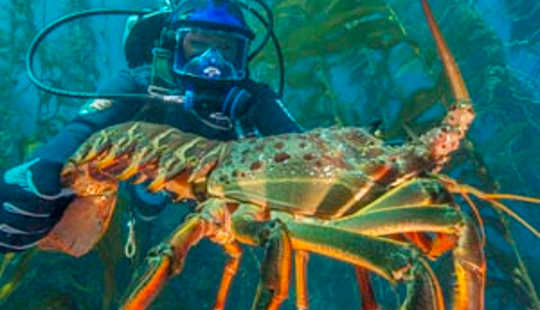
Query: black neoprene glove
point(32, 201)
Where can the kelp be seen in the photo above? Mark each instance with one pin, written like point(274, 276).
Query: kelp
point(318, 37)
point(20, 264)
point(58, 301)
point(74, 66)
point(525, 17)
point(54, 300)
point(27, 118)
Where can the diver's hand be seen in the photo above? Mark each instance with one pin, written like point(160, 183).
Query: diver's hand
point(31, 203)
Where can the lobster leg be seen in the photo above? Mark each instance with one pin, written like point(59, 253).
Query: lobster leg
point(361, 251)
point(431, 249)
point(417, 192)
point(469, 260)
point(251, 225)
point(273, 287)
point(167, 259)
point(395, 261)
point(366, 290)
point(300, 265)
point(424, 292)
point(234, 250)
point(164, 262)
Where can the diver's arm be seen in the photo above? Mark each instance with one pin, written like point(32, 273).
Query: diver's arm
point(90, 120)
point(96, 115)
point(270, 116)
point(32, 199)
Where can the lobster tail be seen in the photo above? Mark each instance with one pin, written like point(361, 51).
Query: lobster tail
point(87, 217)
point(171, 160)
point(444, 139)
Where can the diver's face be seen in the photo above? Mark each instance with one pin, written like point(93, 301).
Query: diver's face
point(197, 43)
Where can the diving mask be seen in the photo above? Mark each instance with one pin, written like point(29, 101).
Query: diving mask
point(211, 54)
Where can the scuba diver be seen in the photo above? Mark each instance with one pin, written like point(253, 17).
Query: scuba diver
point(202, 57)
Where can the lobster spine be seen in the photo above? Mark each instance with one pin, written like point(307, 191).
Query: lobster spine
point(445, 139)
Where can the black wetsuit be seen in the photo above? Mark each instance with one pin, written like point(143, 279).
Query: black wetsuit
point(262, 114)
point(31, 197)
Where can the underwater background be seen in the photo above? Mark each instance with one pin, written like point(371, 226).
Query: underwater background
point(347, 63)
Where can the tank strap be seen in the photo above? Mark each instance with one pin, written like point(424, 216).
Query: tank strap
point(161, 68)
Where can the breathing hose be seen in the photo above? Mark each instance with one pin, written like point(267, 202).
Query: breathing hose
point(268, 24)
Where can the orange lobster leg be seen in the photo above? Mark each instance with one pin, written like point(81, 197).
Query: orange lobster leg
point(421, 240)
point(424, 292)
point(450, 224)
point(366, 290)
point(395, 261)
point(273, 287)
point(251, 225)
point(164, 262)
point(432, 248)
point(441, 244)
point(470, 269)
point(300, 265)
point(234, 250)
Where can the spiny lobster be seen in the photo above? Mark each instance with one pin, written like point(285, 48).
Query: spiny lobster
point(338, 192)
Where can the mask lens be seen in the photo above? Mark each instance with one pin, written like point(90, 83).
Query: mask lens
point(196, 44)
point(211, 54)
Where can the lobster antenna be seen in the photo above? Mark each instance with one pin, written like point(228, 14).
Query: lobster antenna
point(477, 215)
point(459, 90)
point(493, 199)
point(498, 205)
point(443, 140)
